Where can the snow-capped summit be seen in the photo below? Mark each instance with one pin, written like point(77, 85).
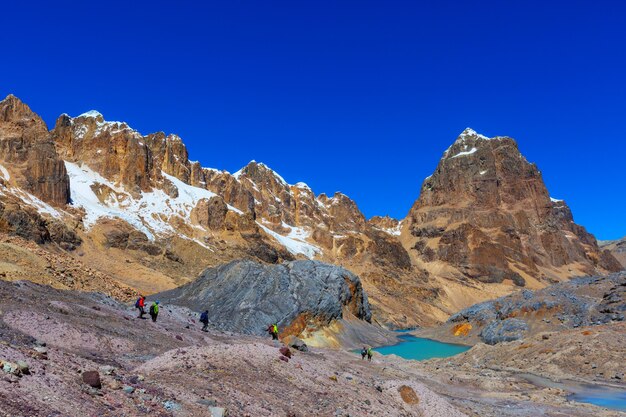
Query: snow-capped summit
point(469, 132)
point(92, 113)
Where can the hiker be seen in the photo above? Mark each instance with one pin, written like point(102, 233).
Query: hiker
point(363, 352)
point(369, 354)
point(154, 310)
point(140, 304)
point(204, 319)
point(273, 330)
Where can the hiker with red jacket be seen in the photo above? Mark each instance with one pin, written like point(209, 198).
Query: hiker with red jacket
point(140, 304)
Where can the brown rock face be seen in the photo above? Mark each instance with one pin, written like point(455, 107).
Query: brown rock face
point(210, 213)
point(112, 149)
point(617, 248)
point(384, 223)
point(487, 212)
point(483, 218)
point(28, 153)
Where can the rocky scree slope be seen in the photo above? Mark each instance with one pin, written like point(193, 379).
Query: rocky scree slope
point(617, 249)
point(143, 213)
point(88, 354)
point(300, 296)
point(71, 339)
point(580, 302)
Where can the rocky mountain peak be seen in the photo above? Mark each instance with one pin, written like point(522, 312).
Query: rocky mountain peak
point(92, 114)
point(345, 213)
point(27, 152)
point(386, 224)
point(14, 110)
point(120, 153)
point(484, 215)
point(259, 173)
point(484, 172)
point(487, 210)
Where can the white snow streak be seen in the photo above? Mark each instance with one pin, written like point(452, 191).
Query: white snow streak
point(5, 173)
point(471, 151)
point(150, 213)
point(294, 242)
point(471, 132)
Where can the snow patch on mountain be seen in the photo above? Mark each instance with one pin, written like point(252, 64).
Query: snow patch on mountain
point(303, 185)
point(464, 153)
point(92, 113)
point(295, 242)
point(471, 132)
point(41, 206)
point(111, 127)
point(150, 213)
point(394, 231)
point(5, 173)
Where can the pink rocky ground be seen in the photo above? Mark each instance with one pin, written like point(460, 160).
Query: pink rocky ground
point(171, 368)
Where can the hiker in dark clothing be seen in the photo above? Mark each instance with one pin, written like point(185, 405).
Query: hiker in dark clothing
point(204, 319)
point(154, 311)
point(140, 305)
point(363, 352)
point(273, 330)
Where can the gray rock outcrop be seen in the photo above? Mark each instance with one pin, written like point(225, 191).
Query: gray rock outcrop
point(246, 296)
point(584, 301)
point(504, 331)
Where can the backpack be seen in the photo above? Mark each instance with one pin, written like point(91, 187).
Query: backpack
point(204, 317)
point(152, 309)
point(137, 303)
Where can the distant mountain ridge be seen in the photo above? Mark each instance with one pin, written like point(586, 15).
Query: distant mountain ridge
point(617, 249)
point(140, 210)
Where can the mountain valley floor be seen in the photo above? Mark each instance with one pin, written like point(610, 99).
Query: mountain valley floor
point(171, 368)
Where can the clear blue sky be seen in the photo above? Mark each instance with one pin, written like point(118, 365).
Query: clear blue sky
point(360, 96)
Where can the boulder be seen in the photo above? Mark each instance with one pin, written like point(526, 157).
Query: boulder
point(92, 378)
point(285, 351)
point(246, 296)
point(10, 368)
point(295, 343)
point(218, 412)
point(504, 331)
point(23, 367)
point(408, 395)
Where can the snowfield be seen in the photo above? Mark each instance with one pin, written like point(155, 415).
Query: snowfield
point(295, 241)
point(150, 213)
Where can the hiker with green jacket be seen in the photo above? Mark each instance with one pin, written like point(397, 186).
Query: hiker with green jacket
point(273, 330)
point(154, 310)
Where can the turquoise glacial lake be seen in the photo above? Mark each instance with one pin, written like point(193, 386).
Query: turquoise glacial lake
point(607, 399)
point(419, 349)
point(600, 395)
